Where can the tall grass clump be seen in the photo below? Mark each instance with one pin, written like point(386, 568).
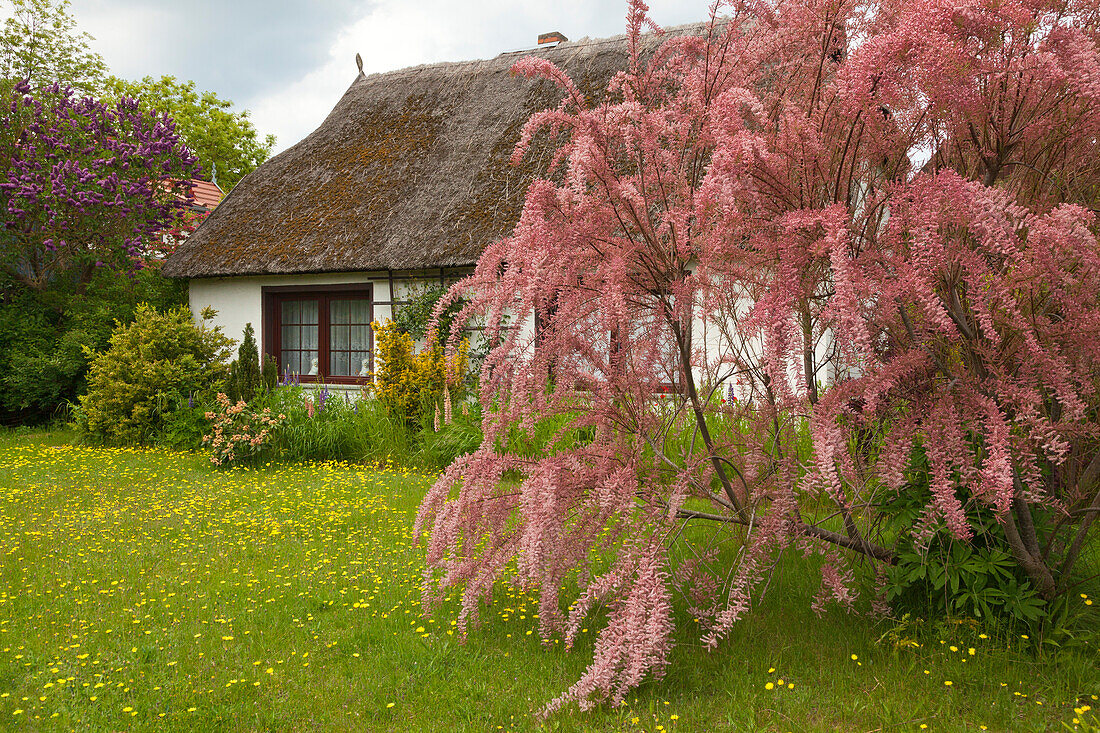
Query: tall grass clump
point(326, 425)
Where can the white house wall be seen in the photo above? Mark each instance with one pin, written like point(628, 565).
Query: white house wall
point(238, 299)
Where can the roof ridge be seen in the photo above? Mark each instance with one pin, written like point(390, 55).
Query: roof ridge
point(577, 45)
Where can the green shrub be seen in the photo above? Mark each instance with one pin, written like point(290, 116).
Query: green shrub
point(245, 378)
point(414, 317)
point(938, 576)
point(151, 367)
point(43, 336)
point(269, 374)
point(184, 425)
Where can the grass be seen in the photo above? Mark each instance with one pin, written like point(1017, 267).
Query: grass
point(143, 589)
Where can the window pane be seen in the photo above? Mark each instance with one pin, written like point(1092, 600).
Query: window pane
point(357, 361)
point(340, 364)
point(338, 338)
point(290, 335)
point(360, 310)
point(360, 338)
point(339, 311)
point(309, 311)
point(309, 337)
point(288, 362)
point(291, 312)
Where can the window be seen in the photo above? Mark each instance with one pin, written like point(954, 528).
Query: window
point(321, 333)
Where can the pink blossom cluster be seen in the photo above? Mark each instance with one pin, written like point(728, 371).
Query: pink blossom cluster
point(237, 431)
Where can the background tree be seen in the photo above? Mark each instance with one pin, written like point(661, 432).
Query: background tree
point(84, 190)
point(747, 214)
point(84, 185)
point(214, 132)
point(40, 42)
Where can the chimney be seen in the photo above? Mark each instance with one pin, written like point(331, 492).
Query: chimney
point(552, 37)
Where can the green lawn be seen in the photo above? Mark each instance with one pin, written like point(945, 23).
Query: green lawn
point(143, 589)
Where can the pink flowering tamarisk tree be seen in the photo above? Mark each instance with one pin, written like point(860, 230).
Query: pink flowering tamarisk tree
point(84, 184)
point(786, 250)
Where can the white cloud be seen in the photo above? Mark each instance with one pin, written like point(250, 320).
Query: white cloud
point(128, 39)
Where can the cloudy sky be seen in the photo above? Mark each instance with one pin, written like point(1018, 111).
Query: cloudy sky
point(288, 61)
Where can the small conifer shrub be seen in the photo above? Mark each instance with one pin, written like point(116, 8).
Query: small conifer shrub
point(245, 378)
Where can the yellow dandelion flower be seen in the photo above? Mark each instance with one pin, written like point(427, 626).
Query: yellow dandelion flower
point(855, 657)
point(948, 683)
point(769, 686)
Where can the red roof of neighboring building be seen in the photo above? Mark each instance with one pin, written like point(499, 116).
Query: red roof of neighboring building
point(206, 194)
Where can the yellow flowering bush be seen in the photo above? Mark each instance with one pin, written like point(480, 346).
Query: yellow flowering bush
point(406, 380)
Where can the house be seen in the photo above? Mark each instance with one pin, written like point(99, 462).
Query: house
point(404, 183)
point(206, 194)
point(204, 198)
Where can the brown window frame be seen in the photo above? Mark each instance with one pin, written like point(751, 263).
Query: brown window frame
point(271, 315)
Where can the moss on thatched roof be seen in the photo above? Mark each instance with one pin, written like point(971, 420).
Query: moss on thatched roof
point(410, 170)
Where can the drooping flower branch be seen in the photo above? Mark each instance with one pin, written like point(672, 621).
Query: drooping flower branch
point(873, 225)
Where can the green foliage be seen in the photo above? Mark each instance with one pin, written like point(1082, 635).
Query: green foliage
point(212, 130)
point(269, 375)
point(152, 365)
point(40, 42)
point(456, 438)
point(245, 378)
point(414, 317)
point(945, 577)
point(43, 336)
point(184, 426)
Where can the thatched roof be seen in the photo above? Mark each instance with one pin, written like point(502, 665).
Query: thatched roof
point(410, 170)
